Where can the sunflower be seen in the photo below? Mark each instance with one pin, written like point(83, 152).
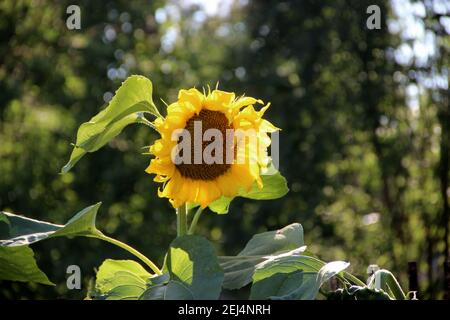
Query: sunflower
point(238, 161)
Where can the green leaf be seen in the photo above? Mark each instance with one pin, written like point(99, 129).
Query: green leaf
point(287, 238)
point(309, 287)
point(120, 280)
point(262, 247)
point(193, 270)
point(384, 280)
point(293, 277)
point(281, 276)
point(274, 187)
point(287, 264)
point(174, 290)
point(298, 285)
point(18, 264)
point(330, 270)
point(24, 231)
point(131, 100)
point(221, 205)
point(192, 262)
point(17, 261)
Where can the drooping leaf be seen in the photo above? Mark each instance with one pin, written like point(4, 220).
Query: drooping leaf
point(262, 247)
point(127, 106)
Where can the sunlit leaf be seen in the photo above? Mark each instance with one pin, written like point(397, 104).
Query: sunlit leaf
point(274, 187)
point(24, 231)
point(193, 270)
point(18, 264)
point(120, 280)
point(127, 106)
point(17, 261)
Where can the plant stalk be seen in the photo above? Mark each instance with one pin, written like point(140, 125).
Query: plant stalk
point(181, 220)
point(133, 251)
point(197, 215)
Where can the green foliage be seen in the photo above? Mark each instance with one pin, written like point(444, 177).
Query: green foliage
point(293, 277)
point(193, 268)
point(17, 261)
point(131, 101)
point(192, 272)
point(384, 280)
point(18, 264)
point(25, 231)
point(274, 187)
point(120, 280)
point(287, 238)
point(271, 260)
point(261, 247)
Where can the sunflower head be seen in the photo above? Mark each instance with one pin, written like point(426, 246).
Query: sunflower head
point(211, 145)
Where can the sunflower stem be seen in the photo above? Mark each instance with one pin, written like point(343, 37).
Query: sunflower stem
point(197, 215)
point(133, 251)
point(181, 220)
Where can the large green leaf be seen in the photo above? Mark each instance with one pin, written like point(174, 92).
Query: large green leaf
point(17, 261)
point(24, 231)
point(262, 247)
point(293, 277)
point(18, 264)
point(120, 280)
point(131, 100)
point(193, 270)
point(308, 287)
point(191, 261)
point(287, 238)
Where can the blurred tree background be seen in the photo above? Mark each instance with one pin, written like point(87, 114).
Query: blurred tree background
point(365, 120)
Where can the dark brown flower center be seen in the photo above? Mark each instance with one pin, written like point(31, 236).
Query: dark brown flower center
point(203, 170)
